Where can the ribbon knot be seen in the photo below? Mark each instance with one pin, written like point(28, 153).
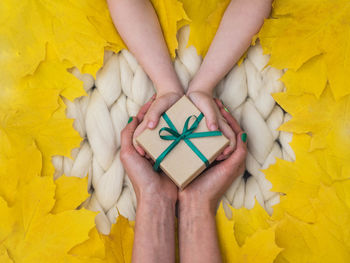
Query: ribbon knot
point(187, 133)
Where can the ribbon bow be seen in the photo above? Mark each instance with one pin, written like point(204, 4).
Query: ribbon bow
point(187, 133)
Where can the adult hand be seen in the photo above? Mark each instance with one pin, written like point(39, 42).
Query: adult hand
point(162, 102)
point(214, 119)
point(206, 190)
point(148, 184)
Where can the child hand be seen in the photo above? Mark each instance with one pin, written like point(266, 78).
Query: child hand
point(160, 104)
point(206, 104)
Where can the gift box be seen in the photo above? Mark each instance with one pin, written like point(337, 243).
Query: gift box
point(181, 145)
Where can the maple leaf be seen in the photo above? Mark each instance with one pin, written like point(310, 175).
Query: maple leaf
point(52, 140)
point(116, 247)
point(205, 19)
point(299, 31)
point(325, 240)
point(258, 246)
point(84, 25)
point(70, 193)
point(299, 180)
point(4, 256)
point(303, 80)
point(171, 16)
point(248, 221)
point(328, 123)
point(25, 34)
point(33, 108)
point(31, 233)
point(15, 151)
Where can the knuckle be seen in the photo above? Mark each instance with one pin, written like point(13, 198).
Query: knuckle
point(243, 152)
point(123, 132)
point(124, 153)
point(151, 115)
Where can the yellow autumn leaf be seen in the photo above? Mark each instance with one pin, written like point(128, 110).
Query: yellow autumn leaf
point(6, 224)
point(20, 160)
point(116, 247)
point(331, 228)
point(303, 80)
point(205, 19)
point(170, 15)
point(328, 122)
point(98, 15)
point(56, 136)
point(37, 234)
point(298, 31)
point(258, 246)
point(70, 193)
point(15, 57)
point(4, 256)
point(63, 24)
point(249, 221)
point(295, 238)
point(325, 240)
point(35, 97)
point(299, 180)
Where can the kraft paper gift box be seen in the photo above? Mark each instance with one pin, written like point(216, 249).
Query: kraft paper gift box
point(181, 163)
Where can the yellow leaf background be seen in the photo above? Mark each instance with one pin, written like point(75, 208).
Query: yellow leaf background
point(40, 40)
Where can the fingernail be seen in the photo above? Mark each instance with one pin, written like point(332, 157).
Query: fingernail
point(130, 120)
point(244, 137)
point(224, 106)
point(213, 127)
point(151, 124)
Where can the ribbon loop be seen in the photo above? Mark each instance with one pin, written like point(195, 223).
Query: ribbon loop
point(187, 133)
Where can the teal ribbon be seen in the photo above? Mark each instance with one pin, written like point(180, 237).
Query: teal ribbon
point(187, 133)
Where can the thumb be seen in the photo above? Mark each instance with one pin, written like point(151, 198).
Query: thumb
point(128, 132)
point(157, 108)
point(239, 155)
point(210, 115)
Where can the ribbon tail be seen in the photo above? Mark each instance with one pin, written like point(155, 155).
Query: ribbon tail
point(164, 153)
point(204, 134)
point(197, 152)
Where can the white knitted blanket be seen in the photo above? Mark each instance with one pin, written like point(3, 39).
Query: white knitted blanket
point(122, 87)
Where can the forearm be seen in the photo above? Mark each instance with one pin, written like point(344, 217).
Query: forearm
point(198, 241)
point(138, 25)
point(154, 231)
point(241, 20)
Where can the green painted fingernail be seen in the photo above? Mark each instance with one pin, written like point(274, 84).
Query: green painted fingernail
point(226, 109)
point(130, 120)
point(244, 137)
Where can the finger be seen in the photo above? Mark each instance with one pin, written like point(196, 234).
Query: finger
point(156, 110)
point(220, 157)
point(128, 132)
point(219, 103)
point(239, 155)
point(207, 107)
point(231, 121)
point(229, 133)
point(138, 131)
point(140, 115)
point(225, 154)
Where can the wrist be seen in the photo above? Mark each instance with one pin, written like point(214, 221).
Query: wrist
point(193, 87)
point(176, 90)
point(190, 204)
point(156, 200)
point(157, 208)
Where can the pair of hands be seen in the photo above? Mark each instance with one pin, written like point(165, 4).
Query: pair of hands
point(206, 190)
